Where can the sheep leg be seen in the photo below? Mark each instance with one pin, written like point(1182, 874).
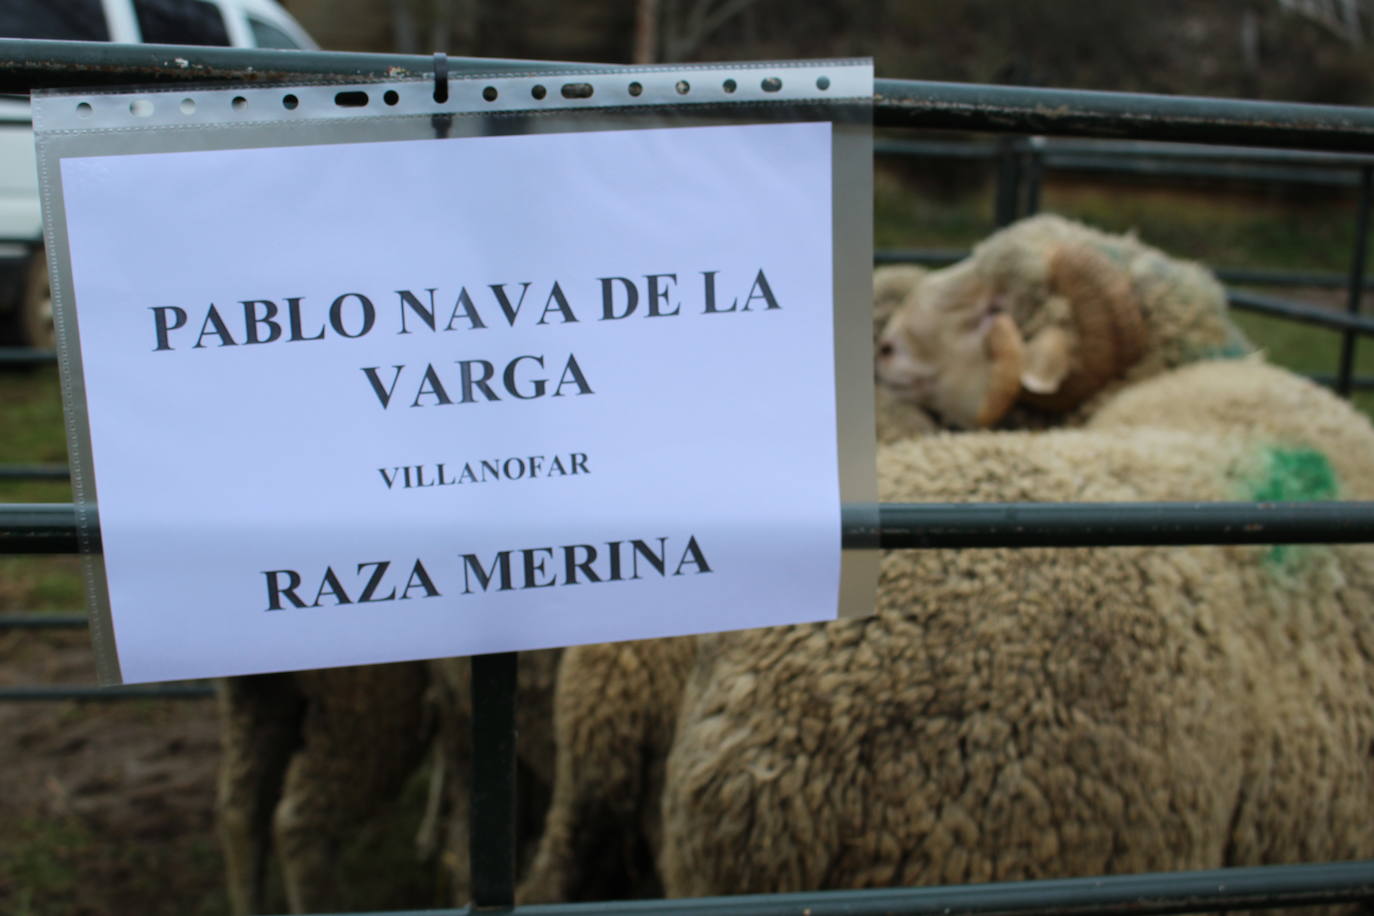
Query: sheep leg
point(363, 734)
point(614, 713)
point(260, 719)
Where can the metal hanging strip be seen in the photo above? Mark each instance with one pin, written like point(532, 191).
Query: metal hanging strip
point(649, 87)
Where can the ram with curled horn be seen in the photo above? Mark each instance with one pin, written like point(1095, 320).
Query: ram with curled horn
point(1047, 315)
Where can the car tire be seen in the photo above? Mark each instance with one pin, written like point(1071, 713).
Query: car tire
point(35, 317)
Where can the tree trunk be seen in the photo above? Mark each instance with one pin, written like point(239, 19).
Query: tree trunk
point(646, 32)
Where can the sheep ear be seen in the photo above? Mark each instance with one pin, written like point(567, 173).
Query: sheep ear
point(1005, 350)
point(1109, 331)
point(1047, 361)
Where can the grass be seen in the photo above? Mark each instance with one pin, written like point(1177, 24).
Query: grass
point(40, 584)
point(40, 866)
point(42, 869)
point(1220, 224)
point(1226, 227)
point(33, 432)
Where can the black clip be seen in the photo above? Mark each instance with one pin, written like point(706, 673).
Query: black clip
point(440, 77)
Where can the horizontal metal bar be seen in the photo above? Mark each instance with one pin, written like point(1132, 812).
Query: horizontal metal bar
point(1249, 276)
point(1253, 276)
point(1230, 171)
point(1055, 146)
point(929, 257)
point(1295, 311)
point(51, 527)
point(1328, 380)
point(936, 149)
point(1052, 148)
point(24, 356)
point(35, 472)
point(1017, 109)
point(98, 694)
point(1336, 170)
point(26, 621)
point(1260, 887)
point(976, 525)
point(37, 528)
point(28, 64)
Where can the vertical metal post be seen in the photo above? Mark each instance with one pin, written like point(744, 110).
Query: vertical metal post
point(1008, 180)
point(1356, 287)
point(1035, 171)
point(491, 828)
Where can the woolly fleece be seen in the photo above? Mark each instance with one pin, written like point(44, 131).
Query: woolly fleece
point(1037, 713)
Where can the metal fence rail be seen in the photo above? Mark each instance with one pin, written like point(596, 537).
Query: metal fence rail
point(1117, 895)
point(29, 621)
point(1244, 276)
point(51, 528)
point(54, 693)
point(35, 472)
point(1150, 159)
point(906, 104)
point(23, 356)
point(26, 65)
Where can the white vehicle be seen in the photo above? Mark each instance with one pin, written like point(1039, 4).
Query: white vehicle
point(25, 300)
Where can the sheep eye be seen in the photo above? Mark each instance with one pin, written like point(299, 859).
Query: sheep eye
point(886, 349)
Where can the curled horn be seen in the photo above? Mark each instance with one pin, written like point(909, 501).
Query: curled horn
point(1109, 326)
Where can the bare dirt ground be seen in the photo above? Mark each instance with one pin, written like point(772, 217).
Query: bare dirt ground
point(108, 807)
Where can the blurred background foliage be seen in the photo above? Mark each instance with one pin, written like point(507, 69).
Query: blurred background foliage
point(1293, 50)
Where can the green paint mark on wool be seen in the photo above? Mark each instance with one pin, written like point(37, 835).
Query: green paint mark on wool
point(1236, 346)
point(1293, 475)
point(1229, 350)
point(1114, 252)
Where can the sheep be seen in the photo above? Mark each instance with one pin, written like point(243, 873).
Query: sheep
point(614, 720)
point(1016, 714)
point(305, 757)
point(1050, 314)
point(895, 419)
point(604, 748)
point(308, 757)
point(1012, 714)
point(615, 711)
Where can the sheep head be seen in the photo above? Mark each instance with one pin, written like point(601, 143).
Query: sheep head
point(952, 349)
point(955, 349)
point(892, 284)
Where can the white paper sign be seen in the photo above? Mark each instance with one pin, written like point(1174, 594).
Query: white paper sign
point(381, 401)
